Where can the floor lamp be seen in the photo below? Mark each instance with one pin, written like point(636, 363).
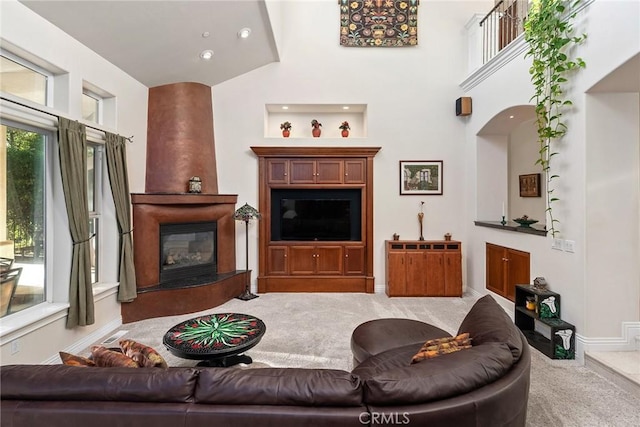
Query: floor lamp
point(246, 213)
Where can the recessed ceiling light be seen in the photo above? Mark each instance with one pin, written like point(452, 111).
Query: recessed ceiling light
point(244, 33)
point(511, 117)
point(206, 54)
point(345, 107)
point(206, 34)
point(285, 107)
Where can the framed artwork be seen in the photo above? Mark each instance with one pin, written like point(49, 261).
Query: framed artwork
point(530, 185)
point(423, 177)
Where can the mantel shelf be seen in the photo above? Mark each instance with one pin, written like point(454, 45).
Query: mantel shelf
point(512, 226)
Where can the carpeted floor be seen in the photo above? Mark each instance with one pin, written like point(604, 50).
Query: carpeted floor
point(314, 330)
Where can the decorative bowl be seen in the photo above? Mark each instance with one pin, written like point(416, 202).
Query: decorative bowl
point(525, 222)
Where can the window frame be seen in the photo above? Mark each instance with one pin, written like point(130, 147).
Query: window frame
point(49, 77)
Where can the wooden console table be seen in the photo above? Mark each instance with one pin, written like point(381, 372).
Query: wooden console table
point(423, 268)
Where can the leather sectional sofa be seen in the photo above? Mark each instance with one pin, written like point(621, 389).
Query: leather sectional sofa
point(486, 385)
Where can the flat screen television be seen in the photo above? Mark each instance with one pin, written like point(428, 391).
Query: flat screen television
point(308, 215)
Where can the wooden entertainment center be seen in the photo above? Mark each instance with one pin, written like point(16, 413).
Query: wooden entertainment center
point(309, 264)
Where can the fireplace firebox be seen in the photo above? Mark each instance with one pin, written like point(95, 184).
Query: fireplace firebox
point(188, 252)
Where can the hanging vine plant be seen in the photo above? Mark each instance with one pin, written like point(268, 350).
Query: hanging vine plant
point(548, 31)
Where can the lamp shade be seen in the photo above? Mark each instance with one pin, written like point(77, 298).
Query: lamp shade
point(246, 213)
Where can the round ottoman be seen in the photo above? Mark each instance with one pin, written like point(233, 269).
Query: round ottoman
point(379, 335)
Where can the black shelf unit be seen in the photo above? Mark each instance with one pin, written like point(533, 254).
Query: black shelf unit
point(542, 326)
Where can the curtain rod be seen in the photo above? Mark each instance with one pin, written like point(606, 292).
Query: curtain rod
point(130, 139)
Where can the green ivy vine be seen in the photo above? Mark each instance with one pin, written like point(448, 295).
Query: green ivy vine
point(548, 30)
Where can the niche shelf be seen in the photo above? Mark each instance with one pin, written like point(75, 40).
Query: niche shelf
point(329, 115)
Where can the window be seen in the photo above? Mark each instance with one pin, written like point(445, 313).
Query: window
point(22, 79)
point(22, 211)
point(94, 191)
point(91, 106)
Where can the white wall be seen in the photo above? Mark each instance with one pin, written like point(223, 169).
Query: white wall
point(410, 93)
point(614, 37)
point(28, 34)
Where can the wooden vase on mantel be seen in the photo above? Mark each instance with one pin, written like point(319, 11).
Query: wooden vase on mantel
point(316, 131)
point(345, 133)
point(286, 133)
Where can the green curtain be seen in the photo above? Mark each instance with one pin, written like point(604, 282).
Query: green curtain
point(117, 167)
point(72, 141)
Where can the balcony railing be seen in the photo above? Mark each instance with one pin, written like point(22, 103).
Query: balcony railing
point(502, 25)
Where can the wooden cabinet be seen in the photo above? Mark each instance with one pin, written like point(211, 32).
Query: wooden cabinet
point(505, 268)
point(320, 171)
point(423, 268)
point(322, 265)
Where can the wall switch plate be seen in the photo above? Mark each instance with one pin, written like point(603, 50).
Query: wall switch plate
point(557, 244)
point(569, 246)
point(15, 346)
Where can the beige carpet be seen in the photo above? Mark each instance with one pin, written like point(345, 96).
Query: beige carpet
point(313, 331)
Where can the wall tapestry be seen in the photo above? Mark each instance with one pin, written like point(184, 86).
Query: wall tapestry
point(388, 23)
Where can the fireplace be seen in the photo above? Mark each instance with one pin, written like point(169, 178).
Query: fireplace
point(184, 243)
point(188, 252)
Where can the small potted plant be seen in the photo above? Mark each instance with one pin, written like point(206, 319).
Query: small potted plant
point(315, 125)
point(345, 128)
point(286, 129)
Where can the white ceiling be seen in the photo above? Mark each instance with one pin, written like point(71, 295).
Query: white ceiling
point(159, 42)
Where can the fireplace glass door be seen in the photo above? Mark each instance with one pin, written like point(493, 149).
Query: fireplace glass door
point(187, 251)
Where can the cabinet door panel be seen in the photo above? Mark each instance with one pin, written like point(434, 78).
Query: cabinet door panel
point(302, 260)
point(453, 274)
point(517, 273)
point(435, 273)
point(278, 171)
point(495, 269)
point(415, 280)
point(277, 260)
point(302, 171)
point(329, 171)
point(329, 259)
point(396, 274)
point(354, 172)
point(354, 260)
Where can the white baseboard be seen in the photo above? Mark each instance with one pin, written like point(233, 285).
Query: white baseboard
point(85, 342)
point(629, 340)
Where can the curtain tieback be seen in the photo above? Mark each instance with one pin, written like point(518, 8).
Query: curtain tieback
point(86, 240)
point(126, 232)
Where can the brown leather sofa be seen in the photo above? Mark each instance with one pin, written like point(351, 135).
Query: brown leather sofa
point(486, 385)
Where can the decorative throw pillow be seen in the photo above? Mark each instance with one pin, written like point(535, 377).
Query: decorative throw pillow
point(143, 355)
point(105, 358)
point(73, 360)
point(436, 347)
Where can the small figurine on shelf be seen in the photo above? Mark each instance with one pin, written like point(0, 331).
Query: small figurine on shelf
point(420, 218)
point(315, 125)
point(345, 128)
point(286, 129)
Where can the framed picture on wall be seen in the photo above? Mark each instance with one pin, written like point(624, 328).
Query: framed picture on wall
point(530, 185)
point(423, 177)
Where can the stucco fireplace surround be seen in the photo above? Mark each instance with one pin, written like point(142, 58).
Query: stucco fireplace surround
point(180, 144)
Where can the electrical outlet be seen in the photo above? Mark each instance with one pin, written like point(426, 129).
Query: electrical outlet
point(557, 244)
point(569, 246)
point(15, 346)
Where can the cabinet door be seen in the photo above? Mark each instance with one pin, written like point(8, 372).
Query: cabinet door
point(517, 271)
point(434, 270)
point(329, 260)
point(415, 279)
point(495, 269)
point(302, 172)
point(329, 171)
point(396, 274)
point(354, 172)
point(354, 260)
point(453, 274)
point(302, 260)
point(278, 171)
point(277, 260)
